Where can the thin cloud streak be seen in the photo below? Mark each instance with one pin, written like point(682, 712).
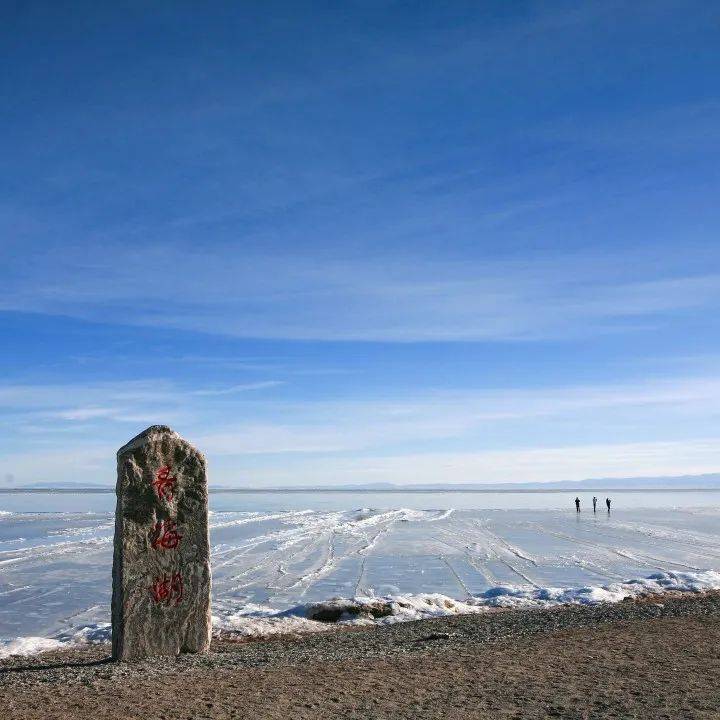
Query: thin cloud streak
point(361, 425)
point(248, 387)
point(548, 464)
point(404, 300)
point(241, 437)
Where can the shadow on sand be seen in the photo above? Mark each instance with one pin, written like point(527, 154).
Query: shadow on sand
point(55, 666)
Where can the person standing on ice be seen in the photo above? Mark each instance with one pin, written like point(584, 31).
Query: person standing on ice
point(594, 504)
point(577, 504)
point(607, 502)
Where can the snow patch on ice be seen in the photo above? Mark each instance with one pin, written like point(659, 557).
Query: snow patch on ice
point(84, 635)
point(28, 646)
point(513, 596)
point(258, 621)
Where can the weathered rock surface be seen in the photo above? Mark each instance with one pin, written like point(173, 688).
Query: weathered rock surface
point(161, 563)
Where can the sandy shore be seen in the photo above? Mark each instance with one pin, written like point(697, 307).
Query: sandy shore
point(658, 658)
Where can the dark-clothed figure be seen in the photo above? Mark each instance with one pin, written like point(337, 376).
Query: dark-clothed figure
point(607, 502)
point(594, 504)
point(577, 504)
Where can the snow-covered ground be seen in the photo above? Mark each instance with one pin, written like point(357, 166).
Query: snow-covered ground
point(270, 567)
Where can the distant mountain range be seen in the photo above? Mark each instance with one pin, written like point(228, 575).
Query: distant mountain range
point(710, 480)
point(678, 482)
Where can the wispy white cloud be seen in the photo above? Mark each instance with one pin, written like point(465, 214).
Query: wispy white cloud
point(400, 299)
point(232, 390)
point(85, 413)
point(83, 401)
point(470, 416)
point(544, 464)
point(472, 425)
point(52, 413)
point(92, 463)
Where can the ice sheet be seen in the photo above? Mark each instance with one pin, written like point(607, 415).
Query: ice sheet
point(268, 567)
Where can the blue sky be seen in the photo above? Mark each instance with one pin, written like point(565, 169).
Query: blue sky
point(362, 241)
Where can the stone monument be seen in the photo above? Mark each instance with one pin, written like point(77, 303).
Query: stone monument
point(161, 563)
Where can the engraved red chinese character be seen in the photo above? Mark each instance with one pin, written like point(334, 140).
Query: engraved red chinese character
point(165, 483)
point(167, 589)
point(164, 535)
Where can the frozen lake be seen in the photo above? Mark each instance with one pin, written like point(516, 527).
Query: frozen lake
point(287, 549)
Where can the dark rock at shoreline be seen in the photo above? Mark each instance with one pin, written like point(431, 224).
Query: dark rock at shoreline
point(333, 610)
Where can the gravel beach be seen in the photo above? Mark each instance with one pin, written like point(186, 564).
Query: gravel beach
point(656, 657)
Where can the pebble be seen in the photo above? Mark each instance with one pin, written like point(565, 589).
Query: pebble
point(92, 664)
